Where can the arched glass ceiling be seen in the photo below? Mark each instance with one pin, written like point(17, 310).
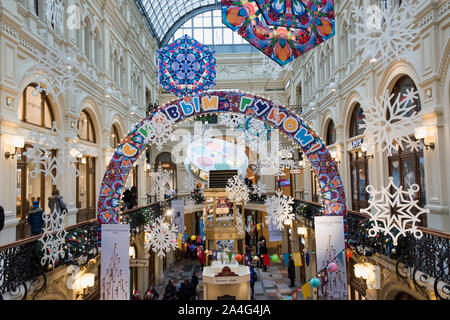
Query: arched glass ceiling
point(163, 14)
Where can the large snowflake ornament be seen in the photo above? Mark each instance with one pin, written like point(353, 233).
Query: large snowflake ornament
point(240, 226)
point(56, 72)
point(161, 130)
point(259, 189)
point(53, 237)
point(403, 202)
point(161, 237)
point(160, 183)
point(189, 205)
point(189, 184)
point(279, 210)
point(54, 11)
point(44, 160)
point(232, 120)
point(237, 190)
point(386, 31)
point(391, 124)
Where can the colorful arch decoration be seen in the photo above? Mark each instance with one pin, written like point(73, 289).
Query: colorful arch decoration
point(217, 102)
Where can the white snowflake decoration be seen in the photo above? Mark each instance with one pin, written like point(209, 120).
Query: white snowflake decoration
point(279, 210)
point(189, 205)
point(161, 237)
point(237, 190)
point(393, 132)
point(42, 157)
point(232, 120)
point(54, 11)
point(56, 72)
point(161, 128)
point(407, 211)
point(160, 183)
point(53, 237)
point(259, 189)
point(189, 184)
point(387, 31)
point(240, 226)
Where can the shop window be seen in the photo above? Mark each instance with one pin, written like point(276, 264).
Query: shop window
point(115, 138)
point(331, 133)
point(356, 120)
point(86, 127)
point(359, 180)
point(406, 167)
point(85, 186)
point(35, 108)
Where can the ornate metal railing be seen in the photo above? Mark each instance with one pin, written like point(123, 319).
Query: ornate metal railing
point(20, 262)
point(424, 261)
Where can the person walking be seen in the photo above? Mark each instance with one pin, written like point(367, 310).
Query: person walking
point(258, 253)
point(201, 257)
point(36, 219)
point(133, 197)
point(126, 198)
point(253, 278)
point(291, 272)
point(263, 252)
point(171, 291)
point(186, 291)
point(56, 202)
point(154, 292)
point(194, 283)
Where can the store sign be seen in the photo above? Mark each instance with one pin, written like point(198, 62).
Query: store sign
point(138, 263)
point(295, 171)
point(356, 144)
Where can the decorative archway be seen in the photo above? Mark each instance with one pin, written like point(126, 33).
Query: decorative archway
point(217, 102)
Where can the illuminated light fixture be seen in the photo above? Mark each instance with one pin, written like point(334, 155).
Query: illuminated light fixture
point(68, 62)
point(302, 231)
point(170, 212)
point(373, 60)
point(83, 160)
point(312, 105)
point(132, 252)
point(420, 133)
point(370, 273)
point(333, 86)
point(84, 282)
point(364, 148)
point(16, 142)
point(287, 222)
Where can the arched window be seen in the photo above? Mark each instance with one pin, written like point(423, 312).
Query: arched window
point(356, 120)
point(86, 127)
point(331, 133)
point(115, 137)
point(35, 108)
point(406, 166)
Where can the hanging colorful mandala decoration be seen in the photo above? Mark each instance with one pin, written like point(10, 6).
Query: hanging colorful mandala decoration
point(53, 238)
point(394, 213)
point(386, 32)
point(186, 67)
point(161, 237)
point(282, 30)
point(279, 210)
point(391, 120)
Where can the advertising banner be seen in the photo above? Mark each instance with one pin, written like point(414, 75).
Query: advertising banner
point(330, 255)
point(115, 264)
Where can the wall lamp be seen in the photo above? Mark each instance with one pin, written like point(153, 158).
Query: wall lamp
point(334, 156)
point(364, 148)
point(420, 134)
point(16, 142)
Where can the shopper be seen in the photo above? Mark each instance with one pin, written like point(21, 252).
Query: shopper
point(194, 283)
point(258, 253)
point(36, 219)
point(171, 291)
point(126, 198)
point(148, 296)
point(253, 278)
point(2, 218)
point(186, 291)
point(201, 258)
point(263, 250)
point(154, 292)
point(56, 202)
point(136, 296)
point(291, 272)
point(133, 197)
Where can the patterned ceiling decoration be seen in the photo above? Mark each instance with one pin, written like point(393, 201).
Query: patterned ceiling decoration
point(186, 67)
point(281, 29)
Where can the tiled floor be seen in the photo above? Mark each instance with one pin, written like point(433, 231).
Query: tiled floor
point(271, 285)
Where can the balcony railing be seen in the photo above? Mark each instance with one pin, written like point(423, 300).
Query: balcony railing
point(424, 261)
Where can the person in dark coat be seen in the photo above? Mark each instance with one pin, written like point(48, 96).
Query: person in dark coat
point(133, 197)
point(154, 292)
point(56, 202)
point(126, 198)
point(263, 251)
point(194, 283)
point(186, 291)
point(291, 272)
point(252, 281)
point(36, 219)
point(171, 291)
point(2, 218)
